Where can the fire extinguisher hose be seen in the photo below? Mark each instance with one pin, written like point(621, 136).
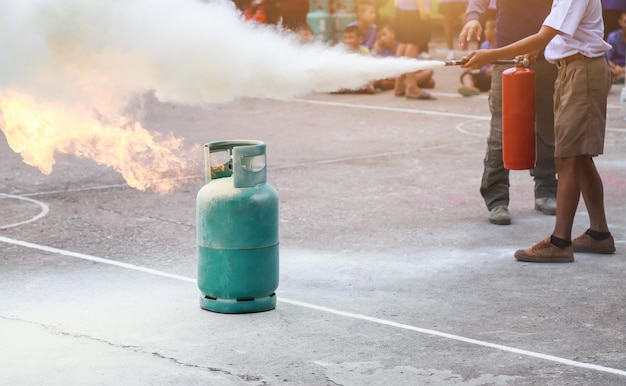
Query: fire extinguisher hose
point(524, 62)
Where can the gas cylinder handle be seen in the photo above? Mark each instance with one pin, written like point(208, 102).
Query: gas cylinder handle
point(246, 173)
point(226, 169)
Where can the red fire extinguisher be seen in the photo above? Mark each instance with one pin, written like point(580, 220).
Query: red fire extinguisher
point(518, 118)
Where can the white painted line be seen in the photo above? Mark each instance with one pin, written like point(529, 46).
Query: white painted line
point(459, 338)
point(392, 109)
point(74, 190)
point(191, 177)
point(44, 210)
point(375, 155)
point(460, 128)
point(94, 259)
point(411, 111)
point(333, 311)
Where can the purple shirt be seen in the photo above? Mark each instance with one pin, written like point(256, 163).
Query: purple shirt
point(515, 19)
point(619, 5)
point(370, 37)
point(617, 53)
point(386, 52)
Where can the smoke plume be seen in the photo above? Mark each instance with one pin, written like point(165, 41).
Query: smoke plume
point(82, 56)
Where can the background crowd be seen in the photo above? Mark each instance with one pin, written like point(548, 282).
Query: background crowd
point(405, 28)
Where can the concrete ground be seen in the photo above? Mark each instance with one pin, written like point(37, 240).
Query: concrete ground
point(390, 272)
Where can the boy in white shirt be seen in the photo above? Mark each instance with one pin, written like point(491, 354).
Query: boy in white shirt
point(572, 37)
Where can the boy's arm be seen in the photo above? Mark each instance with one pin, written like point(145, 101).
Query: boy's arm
point(472, 28)
point(532, 43)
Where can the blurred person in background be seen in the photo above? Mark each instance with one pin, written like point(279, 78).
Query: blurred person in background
point(366, 21)
point(473, 82)
point(611, 11)
point(516, 20)
point(616, 56)
point(451, 11)
point(385, 46)
point(411, 26)
point(289, 13)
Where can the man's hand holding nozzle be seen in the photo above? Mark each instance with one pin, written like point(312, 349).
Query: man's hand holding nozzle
point(477, 59)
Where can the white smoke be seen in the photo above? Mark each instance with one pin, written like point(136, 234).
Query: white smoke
point(70, 68)
point(99, 53)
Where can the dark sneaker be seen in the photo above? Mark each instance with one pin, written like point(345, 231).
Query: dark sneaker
point(500, 215)
point(586, 244)
point(545, 252)
point(546, 205)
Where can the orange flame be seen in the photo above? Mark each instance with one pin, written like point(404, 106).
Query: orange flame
point(145, 159)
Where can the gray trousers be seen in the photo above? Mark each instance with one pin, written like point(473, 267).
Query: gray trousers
point(494, 186)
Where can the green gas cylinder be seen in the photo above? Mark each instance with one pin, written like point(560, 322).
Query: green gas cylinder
point(321, 25)
point(237, 225)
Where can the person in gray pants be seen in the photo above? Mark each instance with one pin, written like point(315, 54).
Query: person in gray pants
point(516, 20)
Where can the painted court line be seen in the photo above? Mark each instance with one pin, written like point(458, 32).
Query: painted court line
point(411, 111)
point(333, 311)
point(113, 186)
point(392, 109)
point(44, 210)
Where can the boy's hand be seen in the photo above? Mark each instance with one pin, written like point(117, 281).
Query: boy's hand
point(471, 30)
point(532, 58)
point(477, 59)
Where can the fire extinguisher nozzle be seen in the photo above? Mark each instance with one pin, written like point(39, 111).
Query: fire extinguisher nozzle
point(455, 62)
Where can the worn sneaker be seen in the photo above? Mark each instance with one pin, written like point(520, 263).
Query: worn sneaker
point(468, 91)
point(546, 205)
point(500, 215)
point(546, 252)
point(586, 244)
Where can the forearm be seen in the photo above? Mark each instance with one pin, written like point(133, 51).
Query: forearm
point(530, 44)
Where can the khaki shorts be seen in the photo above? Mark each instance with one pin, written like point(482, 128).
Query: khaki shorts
point(580, 95)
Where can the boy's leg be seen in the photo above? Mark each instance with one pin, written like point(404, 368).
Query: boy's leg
point(558, 247)
point(468, 83)
point(593, 194)
point(598, 238)
point(467, 79)
point(567, 195)
point(410, 82)
point(398, 89)
point(425, 79)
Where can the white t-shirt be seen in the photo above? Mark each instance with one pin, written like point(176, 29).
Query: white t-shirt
point(580, 27)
